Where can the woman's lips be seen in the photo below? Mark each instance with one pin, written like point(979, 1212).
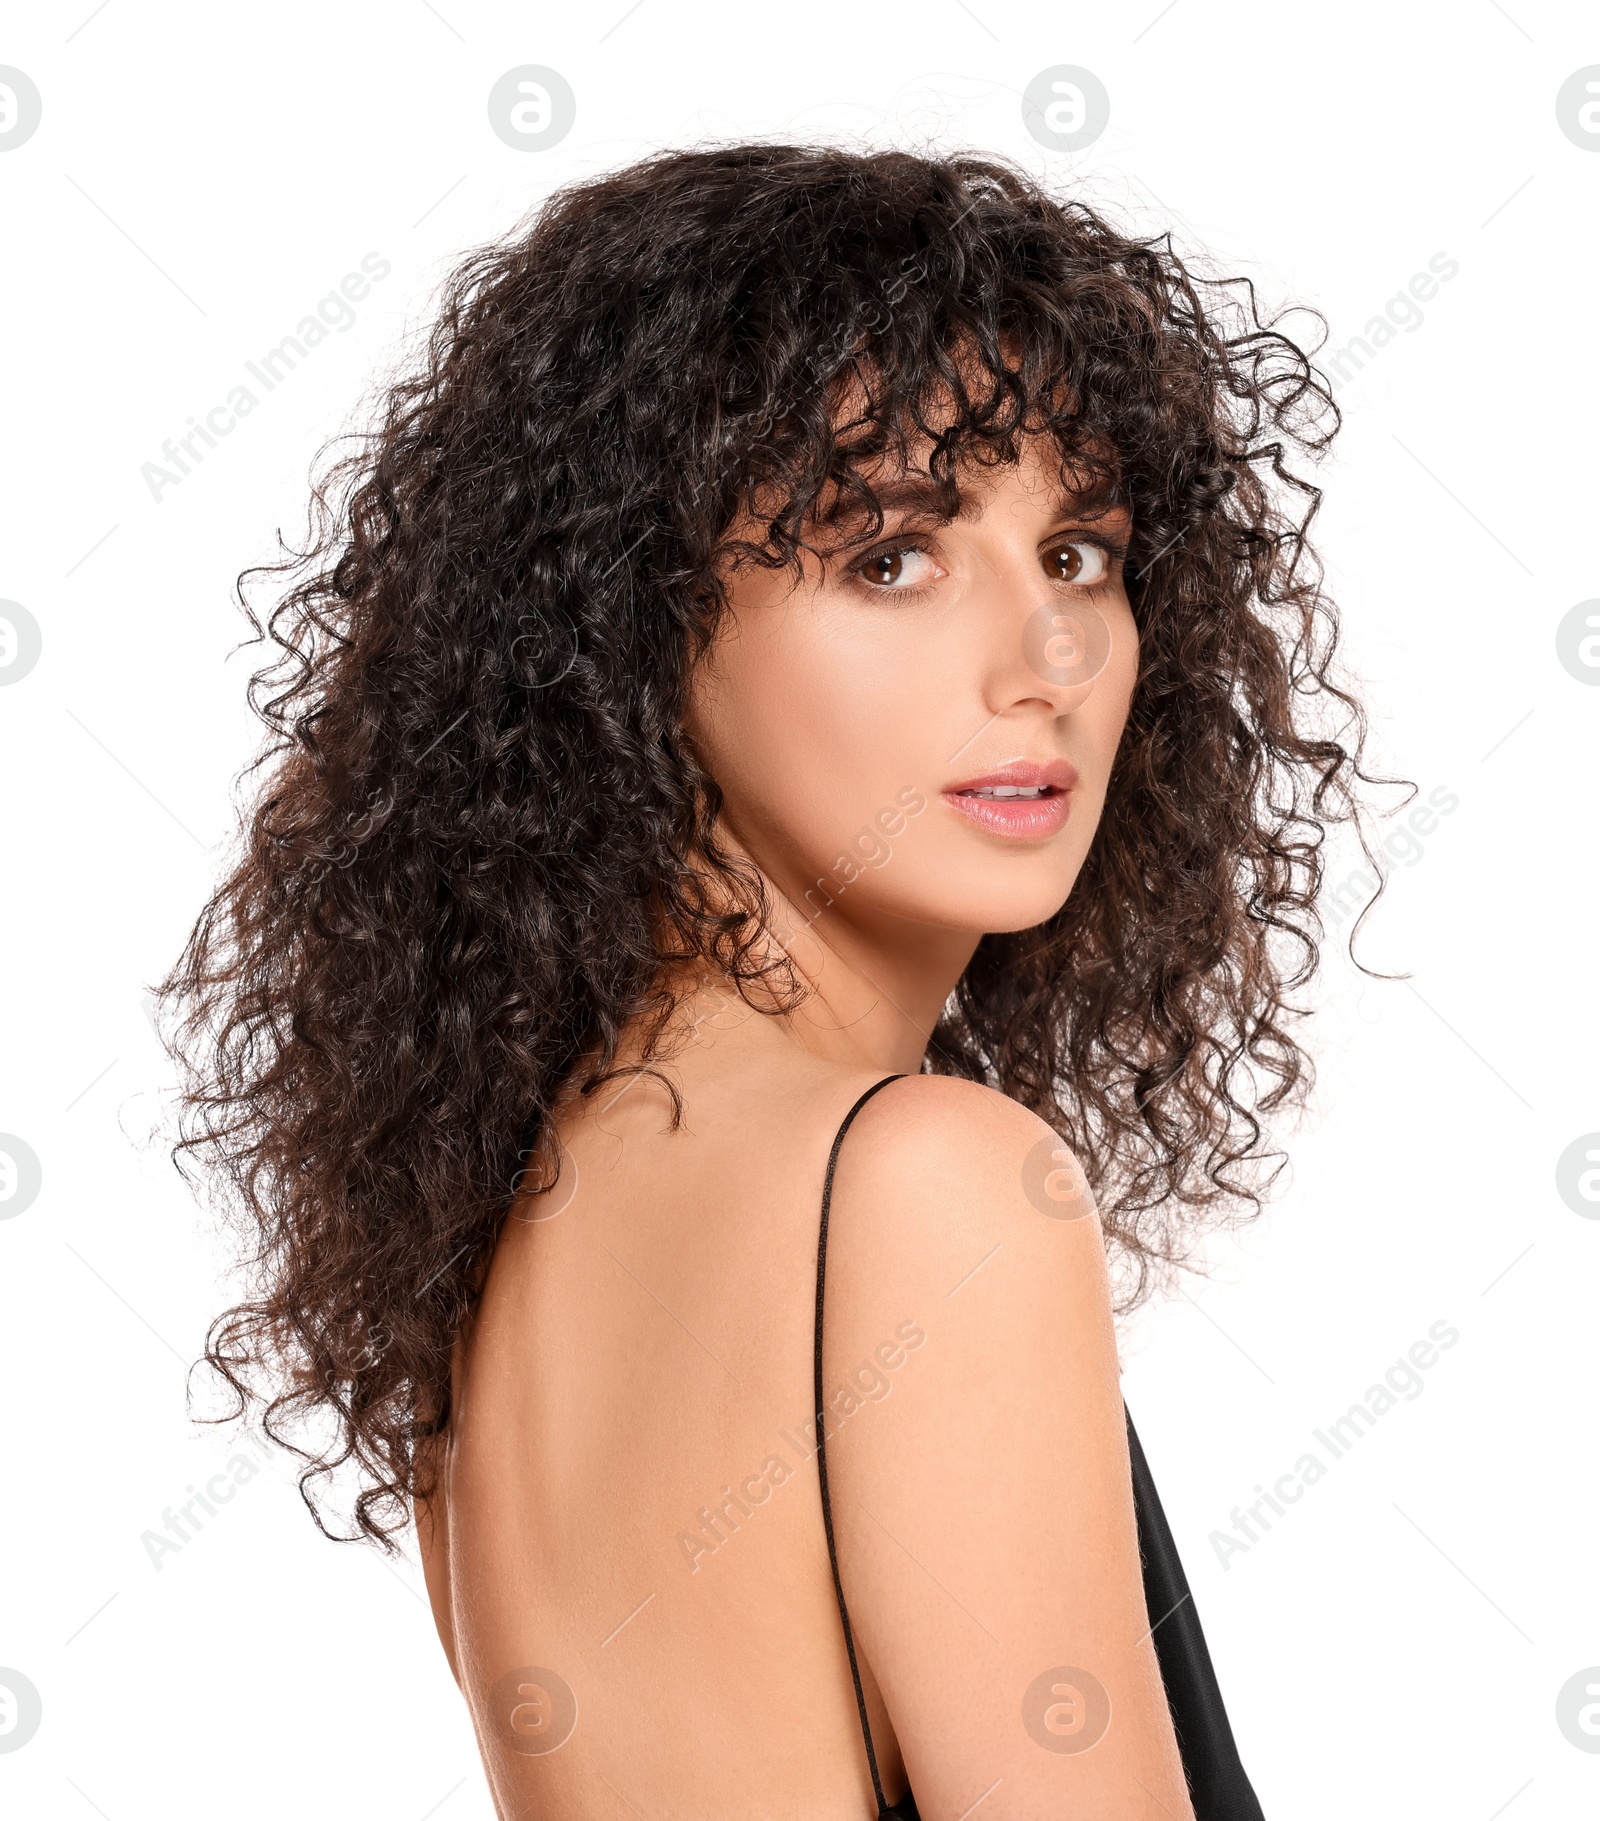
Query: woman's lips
point(1023, 800)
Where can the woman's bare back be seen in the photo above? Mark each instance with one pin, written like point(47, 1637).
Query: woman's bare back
point(630, 1507)
point(626, 1551)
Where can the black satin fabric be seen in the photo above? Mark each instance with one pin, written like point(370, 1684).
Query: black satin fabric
point(1218, 1786)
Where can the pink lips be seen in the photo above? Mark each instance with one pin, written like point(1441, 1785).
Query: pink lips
point(1023, 800)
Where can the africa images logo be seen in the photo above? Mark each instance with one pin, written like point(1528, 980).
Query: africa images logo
point(20, 1710)
point(1066, 1710)
point(532, 1710)
point(332, 314)
point(1402, 1383)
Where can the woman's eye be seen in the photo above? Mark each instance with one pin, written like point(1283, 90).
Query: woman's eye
point(898, 569)
point(1083, 564)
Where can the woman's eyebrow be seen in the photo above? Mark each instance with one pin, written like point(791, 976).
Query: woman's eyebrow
point(925, 498)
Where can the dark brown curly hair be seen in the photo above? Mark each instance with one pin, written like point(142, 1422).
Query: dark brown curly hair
point(478, 840)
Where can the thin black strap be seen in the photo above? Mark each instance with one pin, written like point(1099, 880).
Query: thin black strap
point(822, 1458)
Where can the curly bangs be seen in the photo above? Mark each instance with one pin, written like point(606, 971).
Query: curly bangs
point(478, 844)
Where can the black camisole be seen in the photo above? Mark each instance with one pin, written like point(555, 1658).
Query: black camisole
point(1218, 1786)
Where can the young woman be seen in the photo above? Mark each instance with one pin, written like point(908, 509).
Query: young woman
point(775, 902)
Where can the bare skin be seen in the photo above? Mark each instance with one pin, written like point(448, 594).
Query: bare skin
point(628, 1502)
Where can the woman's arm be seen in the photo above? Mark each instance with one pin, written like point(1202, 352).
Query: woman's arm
point(982, 1502)
point(433, 1542)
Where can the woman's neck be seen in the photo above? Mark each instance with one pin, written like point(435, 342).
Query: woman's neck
point(845, 985)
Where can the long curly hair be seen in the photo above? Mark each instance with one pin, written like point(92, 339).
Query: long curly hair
point(478, 845)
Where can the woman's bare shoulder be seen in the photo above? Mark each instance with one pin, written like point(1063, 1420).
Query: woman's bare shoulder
point(981, 1492)
point(966, 1110)
point(947, 1157)
point(963, 1213)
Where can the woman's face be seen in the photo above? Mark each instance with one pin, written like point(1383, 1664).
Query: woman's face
point(924, 727)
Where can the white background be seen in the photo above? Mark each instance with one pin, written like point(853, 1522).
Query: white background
point(202, 176)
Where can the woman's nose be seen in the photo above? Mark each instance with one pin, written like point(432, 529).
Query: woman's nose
point(1067, 644)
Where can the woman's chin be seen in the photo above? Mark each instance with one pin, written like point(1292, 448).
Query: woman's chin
point(981, 910)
